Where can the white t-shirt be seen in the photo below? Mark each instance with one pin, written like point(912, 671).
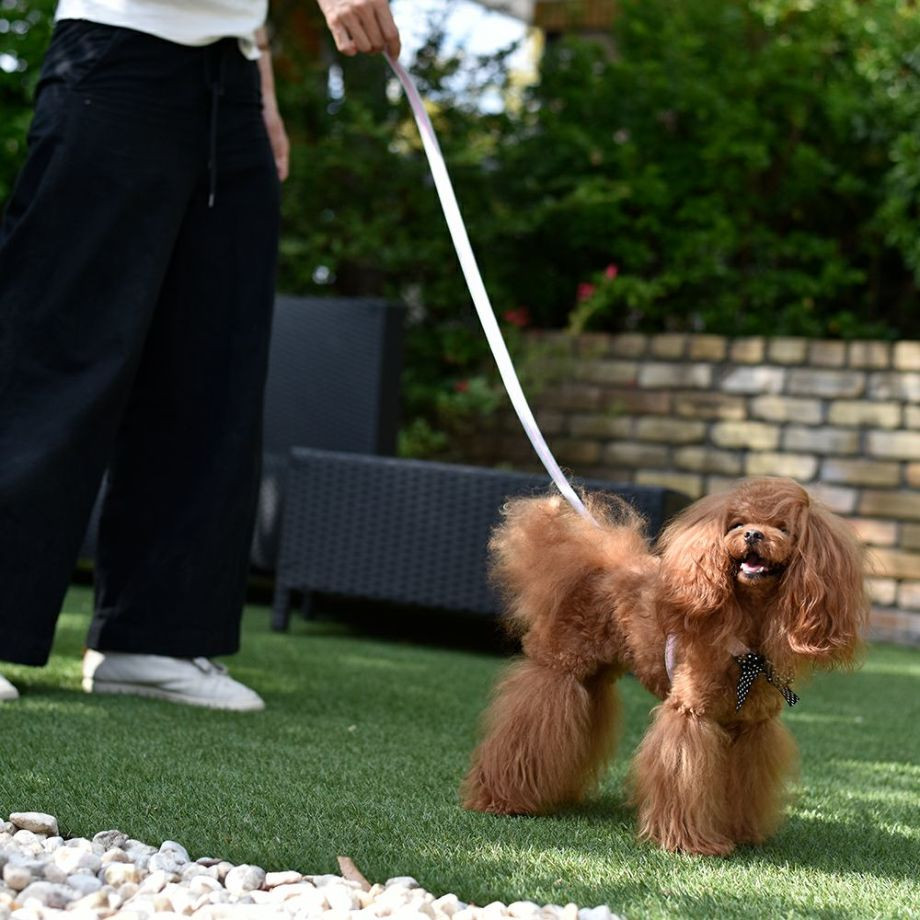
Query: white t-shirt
point(186, 22)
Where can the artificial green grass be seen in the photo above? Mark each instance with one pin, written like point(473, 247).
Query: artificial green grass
point(364, 743)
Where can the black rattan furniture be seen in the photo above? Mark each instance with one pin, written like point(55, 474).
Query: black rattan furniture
point(406, 531)
point(333, 383)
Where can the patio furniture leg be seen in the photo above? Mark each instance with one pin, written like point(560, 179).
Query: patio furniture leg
point(281, 608)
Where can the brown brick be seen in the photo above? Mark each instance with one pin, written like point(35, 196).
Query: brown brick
point(577, 452)
point(601, 426)
point(700, 404)
point(628, 345)
point(681, 482)
point(823, 440)
point(669, 345)
point(639, 402)
point(786, 409)
point(708, 460)
point(895, 563)
point(911, 417)
point(768, 463)
point(787, 350)
point(893, 625)
point(828, 384)
point(875, 532)
point(716, 483)
point(907, 356)
point(910, 536)
point(882, 590)
point(753, 435)
point(608, 372)
point(747, 351)
point(894, 385)
point(639, 456)
point(838, 499)
point(895, 504)
point(515, 448)
point(827, 353)
point(670, 430)
point(870, 354)
point(760, 379)
point(857, 412)
point(608, 473)
point(657, 375)
point(590, 346)
point(861, 472)
point(894, 445)
point(549, 422)
point(708, 347)
point(909, 595)
point(580, 397)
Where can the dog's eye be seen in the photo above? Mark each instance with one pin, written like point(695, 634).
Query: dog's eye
point(735, 526)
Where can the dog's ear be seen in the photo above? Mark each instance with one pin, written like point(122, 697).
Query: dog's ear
point(823, 604)
point(697, 572)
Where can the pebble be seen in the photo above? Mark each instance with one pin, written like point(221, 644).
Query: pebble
point(243, 879)
point(115, 877)
point(36, 821)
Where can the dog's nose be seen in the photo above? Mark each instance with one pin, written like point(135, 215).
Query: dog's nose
point(752, 536)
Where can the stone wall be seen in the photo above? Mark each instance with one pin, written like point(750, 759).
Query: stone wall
point(695, 412)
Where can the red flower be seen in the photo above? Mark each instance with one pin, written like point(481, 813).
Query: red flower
point(461, 386)
point(585, 290)
point(611, 271)
point(519, 317)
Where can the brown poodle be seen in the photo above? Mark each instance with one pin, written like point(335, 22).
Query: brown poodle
point(747, 590)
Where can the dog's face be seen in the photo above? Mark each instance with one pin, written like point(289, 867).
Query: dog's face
point(768, 544)
point(759, 541)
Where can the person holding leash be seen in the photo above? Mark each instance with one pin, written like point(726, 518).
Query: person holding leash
point(137, 270)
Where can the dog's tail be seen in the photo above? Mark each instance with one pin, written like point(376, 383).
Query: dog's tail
point(548, 738)
point(561, 576)
point(553, 721)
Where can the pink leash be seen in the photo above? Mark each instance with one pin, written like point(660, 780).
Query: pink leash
point(478, 292)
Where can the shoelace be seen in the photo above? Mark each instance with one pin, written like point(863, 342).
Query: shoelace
point(206, 666)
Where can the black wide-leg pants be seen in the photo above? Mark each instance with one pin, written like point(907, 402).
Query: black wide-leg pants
point(137, 264)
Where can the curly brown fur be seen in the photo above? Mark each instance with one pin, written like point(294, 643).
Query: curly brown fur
point(762, 567)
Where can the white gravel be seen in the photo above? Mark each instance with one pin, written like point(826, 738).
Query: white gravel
point(113, 876)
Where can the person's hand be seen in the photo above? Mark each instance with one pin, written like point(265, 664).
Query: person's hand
point(361, 25)
point(281, 146)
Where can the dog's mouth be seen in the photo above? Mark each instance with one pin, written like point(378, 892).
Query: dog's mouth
point(753, 565)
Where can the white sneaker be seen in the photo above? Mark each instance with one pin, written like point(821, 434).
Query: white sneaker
point(196, 681)
point(8, 692)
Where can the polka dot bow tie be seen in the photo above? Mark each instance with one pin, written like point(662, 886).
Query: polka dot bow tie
point(751, 666)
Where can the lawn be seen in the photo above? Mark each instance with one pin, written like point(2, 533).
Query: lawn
point(363, 745)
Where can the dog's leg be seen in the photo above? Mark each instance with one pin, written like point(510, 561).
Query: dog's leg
point(762, 761)
point(548, 737)
point(679, 783)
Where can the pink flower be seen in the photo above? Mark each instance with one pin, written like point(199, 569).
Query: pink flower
point(585, 290)
point(611, 271)
point(519, 317)
point(461, 386)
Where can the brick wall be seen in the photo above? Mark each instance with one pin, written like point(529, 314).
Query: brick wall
point(695, 412)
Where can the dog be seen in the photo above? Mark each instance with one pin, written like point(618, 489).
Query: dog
point(746, 592)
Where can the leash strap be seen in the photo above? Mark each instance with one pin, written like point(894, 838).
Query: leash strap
point(478, 291)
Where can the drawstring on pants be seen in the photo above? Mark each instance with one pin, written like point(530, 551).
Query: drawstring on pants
point(217, 90)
